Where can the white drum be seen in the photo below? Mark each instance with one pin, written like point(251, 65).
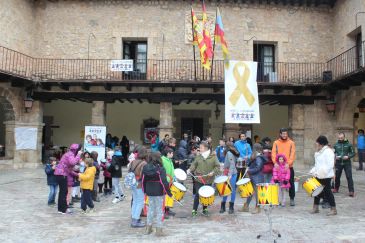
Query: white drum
point(206, 195)
point(180, 175)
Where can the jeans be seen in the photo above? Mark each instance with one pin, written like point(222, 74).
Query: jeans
point(233, 187)
point(52, 194)
point(282, 195)
point(155, 212)
point(108, 180)
point(196, 197)
point(361, 153)
point(86, 199)
point(292, 186)
point(326, 193)
point(137, 203)
point(348, 173)
point(62, 194)
point(117, 189)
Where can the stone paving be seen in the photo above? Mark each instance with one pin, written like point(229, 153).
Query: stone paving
point(27, 218)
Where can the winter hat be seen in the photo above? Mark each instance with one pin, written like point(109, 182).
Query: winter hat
point(74, 147)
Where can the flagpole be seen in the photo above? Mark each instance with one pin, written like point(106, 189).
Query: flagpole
point(192, 31)
point(215, 26)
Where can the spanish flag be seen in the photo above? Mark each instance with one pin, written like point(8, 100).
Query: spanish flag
point(219, 38)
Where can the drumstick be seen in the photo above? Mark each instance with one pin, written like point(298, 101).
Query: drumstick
point(178, 202)
point(301, 172)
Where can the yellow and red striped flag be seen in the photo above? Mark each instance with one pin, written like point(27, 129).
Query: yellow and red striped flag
point(199, 40)
point(207, 38)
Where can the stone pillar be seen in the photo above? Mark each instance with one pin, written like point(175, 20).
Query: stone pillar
point(231, 130)
point(165, 119)
point(23, 158)
point(296, 126)
point(98, 113)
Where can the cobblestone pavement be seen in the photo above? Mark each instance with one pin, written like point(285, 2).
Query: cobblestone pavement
point(25, 217)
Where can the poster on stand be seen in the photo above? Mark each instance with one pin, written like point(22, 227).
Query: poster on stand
point(241, 96)
point(94, 140)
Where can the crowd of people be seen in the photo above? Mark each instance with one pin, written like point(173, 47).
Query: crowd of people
point(151, 173)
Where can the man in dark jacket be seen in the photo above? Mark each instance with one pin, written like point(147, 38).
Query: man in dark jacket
point(344, 152)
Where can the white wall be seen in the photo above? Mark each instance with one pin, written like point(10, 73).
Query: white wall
point(272, 119)
point(71, 117)
point(127, 119)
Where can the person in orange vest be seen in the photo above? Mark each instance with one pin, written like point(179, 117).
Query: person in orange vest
point(284, 145)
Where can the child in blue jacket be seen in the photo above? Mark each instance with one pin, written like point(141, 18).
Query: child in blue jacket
point(51, 180)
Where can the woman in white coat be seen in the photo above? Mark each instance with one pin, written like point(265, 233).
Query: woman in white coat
point(323, 170)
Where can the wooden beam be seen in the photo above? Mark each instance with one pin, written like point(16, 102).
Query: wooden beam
point(121, 100)
point(64, 86)
point(107, 87)
point(216, 88)
point(189, 100)
point(298, 90)
point(130, 101)
point(278, 90)
point(150, 87)
point(129, 87)
point(173, 88)
point(199, 101)
point(193, 88)
point(140, 101)
point(209, 102)
point(45, 86)
point(85, 86)
point(316, 90)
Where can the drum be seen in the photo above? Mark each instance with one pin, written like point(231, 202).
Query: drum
point(313, 187)
point(180, 175)
point(245, 187)
point(223, 186)
point(268, 194)
point(206, 195)
point(178, 190)
point(169, 201)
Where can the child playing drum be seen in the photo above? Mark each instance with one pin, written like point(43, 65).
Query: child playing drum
point(205, 166)
point(281, 176)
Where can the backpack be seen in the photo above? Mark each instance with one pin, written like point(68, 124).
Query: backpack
point(130, 181)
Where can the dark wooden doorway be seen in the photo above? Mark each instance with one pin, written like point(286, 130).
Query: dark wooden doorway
point(192, 126)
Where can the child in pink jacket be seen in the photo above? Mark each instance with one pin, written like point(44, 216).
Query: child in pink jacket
point(281, 175)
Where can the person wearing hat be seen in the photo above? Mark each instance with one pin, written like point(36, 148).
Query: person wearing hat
point(64, 170)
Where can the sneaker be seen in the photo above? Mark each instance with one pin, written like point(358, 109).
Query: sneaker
point(83, 212)
point(351, 194)
point(292, 203)
point(122, 197)
point(61, 212)
point(205, 212)
point(283, 205)
point(116, 200)
point(92, 210)
point(170, 213)
point(194, 213)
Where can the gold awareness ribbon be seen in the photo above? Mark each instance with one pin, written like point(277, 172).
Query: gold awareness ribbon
point(241, 88)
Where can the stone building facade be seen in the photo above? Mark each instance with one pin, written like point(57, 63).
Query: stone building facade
point(97, 30)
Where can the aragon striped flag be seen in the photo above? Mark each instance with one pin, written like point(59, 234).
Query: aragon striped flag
point(207, 38)
point(219, 38)
point(199, 40)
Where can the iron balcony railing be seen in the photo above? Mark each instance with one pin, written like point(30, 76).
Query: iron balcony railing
point(45, 69)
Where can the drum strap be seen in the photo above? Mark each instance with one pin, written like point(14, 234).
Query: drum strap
point(224, 187)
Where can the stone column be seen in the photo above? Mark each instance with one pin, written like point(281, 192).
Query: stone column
point(98, 113)
point(165, 119)
point(23, 158)
point(296, 126)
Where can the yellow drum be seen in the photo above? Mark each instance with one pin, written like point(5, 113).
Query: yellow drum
point(178, 190)
point(313, 187)
point(206, 195)
point(223, 186)
point(268, 194)
point(245, 187)
point(169, 201)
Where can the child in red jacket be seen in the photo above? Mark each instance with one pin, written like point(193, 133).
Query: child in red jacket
point(281, 175)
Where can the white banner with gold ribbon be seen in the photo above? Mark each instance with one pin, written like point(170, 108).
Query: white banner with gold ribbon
point(241, 96)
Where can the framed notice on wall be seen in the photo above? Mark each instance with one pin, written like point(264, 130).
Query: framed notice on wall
point(26, 138)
